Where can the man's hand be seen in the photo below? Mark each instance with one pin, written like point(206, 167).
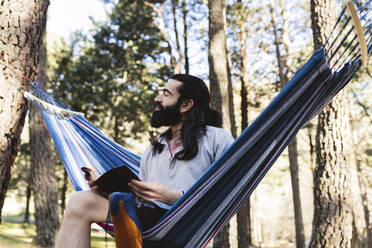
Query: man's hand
point(153, 191)
point(90, 176)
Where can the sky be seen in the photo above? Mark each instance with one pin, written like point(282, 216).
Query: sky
point(66, 16)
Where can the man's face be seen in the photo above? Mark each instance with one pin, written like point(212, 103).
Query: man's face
point(167, 108)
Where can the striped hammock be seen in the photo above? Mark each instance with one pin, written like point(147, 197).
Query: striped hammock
point(221, 191)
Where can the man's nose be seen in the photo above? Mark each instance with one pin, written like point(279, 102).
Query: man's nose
point(158, 98)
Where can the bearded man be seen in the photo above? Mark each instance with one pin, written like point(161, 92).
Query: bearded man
point(169, 167)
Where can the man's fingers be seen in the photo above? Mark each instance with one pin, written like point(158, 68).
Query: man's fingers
point(143, 195)
point(91, 184)
point(135, 189)
point(142, 192)
point(94, 188)
point(142, 185)
point(87, 177)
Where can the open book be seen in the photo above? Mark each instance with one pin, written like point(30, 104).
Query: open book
point(114, 180)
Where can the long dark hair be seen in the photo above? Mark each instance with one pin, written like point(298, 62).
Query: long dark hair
point(197, 118)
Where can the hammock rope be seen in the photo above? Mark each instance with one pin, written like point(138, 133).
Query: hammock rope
point(352, 25)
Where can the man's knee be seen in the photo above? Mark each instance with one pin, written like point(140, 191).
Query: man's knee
point(78, 203)
point(87, 205)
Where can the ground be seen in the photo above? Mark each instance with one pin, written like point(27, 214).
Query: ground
point(15, 234)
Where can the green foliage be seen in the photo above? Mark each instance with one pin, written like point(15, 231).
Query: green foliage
point(111, 75)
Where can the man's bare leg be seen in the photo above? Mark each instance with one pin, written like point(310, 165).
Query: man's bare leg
point(83, 208)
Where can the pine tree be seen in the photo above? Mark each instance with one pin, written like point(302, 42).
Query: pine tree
point(332, 223)
point(22, 24)
point(44, 183)
point(219, 81)
point(112, 77)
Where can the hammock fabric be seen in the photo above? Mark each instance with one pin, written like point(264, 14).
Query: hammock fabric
point(221, 191)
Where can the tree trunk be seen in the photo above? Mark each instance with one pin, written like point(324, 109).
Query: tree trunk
point(284, 69)
point(332, 223)
point(177, 68)
point(293, 166)
point(22, 24)
point(43, 172)
point(221, 240)
point(364, 196)
point(219, 82)
point(312, 146)
point(26, 219)
point(244, 102)
point(233, 128)
point(355, 241)
point(63, 191)
point(217, 59)
point(185, 37)
point(244, 226)
point(244, 214)
point(243, 35)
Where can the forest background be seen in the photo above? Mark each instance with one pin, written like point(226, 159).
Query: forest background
point(111, 73)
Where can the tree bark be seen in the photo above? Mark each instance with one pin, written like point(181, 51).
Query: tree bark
point(355, 241)
point(233, 128)
point(244, 214)
point(244, 102)
point(244, 225)
point(293, 166)
point(364, 196)
point(219, 82)
point(217, 59)
point(177, 68)
point(22, 24)
point(221, 240)
point(63, 191)
point(323, 18)
point(43, 172)
point(243, 35)
point(311, 145)
point(185, 37)
point(332, 223)
point(26, 219)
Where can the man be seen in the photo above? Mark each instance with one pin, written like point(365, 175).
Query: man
point(168, 168)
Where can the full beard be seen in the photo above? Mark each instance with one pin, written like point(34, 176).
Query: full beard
point(167, 116)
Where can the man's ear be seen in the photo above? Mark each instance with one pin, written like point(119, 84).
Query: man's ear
point(186, 105)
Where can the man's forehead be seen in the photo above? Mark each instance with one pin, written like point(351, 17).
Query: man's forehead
point(171, 86)
point(173, 83)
